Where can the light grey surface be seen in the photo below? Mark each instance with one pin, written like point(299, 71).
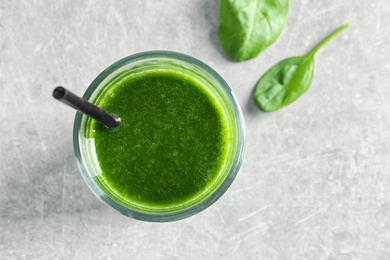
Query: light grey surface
point(315, 181)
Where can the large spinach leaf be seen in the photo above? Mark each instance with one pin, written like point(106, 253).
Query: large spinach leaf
point(247, 27)
point(289, 79)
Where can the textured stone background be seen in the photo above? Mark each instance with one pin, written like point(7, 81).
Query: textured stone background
point(315, 181)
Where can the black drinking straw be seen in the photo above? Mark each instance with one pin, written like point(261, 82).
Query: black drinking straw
point(70, 99)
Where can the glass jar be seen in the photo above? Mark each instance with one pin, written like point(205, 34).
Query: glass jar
point(88, 160)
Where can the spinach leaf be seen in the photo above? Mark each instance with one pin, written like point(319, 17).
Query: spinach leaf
point(289, 79)
point(247, 27)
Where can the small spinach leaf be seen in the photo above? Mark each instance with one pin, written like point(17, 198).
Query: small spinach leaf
point(247, 27)
point(286, 81)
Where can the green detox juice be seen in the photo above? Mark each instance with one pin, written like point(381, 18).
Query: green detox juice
point(170, 146)
point(179, 144)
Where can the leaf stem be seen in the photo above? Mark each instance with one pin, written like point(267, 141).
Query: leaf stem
point(326, 40)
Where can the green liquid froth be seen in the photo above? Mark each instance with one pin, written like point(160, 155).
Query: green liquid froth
point(171, 145)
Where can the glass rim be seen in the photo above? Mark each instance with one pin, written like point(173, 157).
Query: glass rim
point(206, 202)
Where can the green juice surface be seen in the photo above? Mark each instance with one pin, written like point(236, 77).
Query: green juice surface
point(171, 145)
